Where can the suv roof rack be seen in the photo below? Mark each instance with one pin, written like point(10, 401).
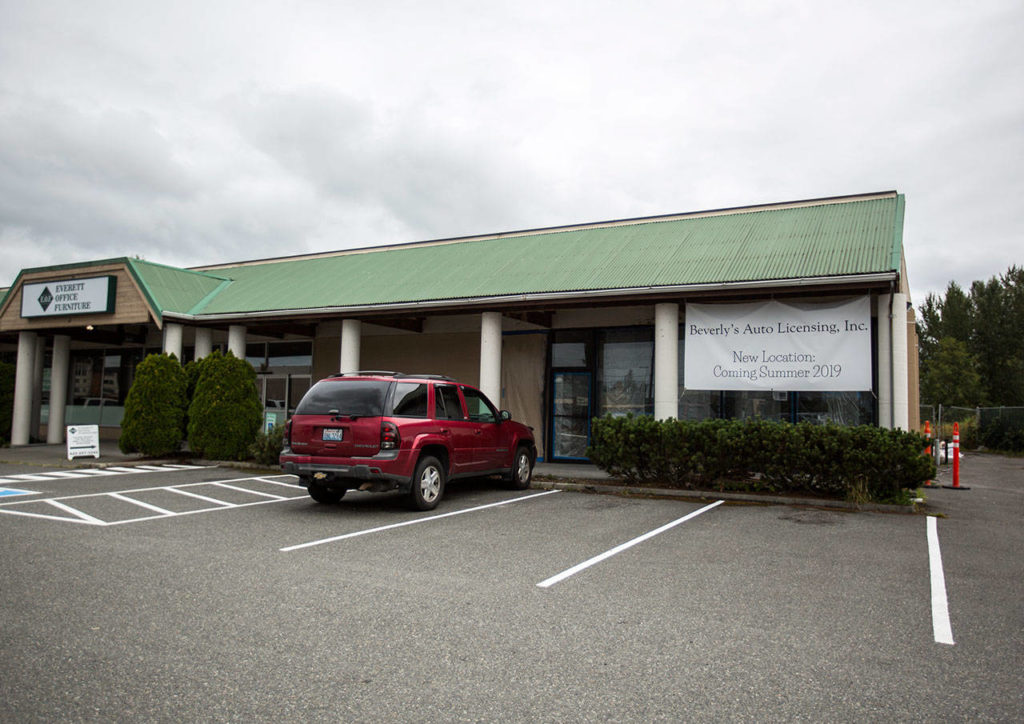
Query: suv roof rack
point(367, 373)
point(396, 375)
point(446, 378)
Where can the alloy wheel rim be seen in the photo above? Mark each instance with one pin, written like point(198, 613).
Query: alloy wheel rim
point(430, 484)
point(524, 467)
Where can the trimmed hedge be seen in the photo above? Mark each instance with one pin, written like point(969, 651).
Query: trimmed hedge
point(154, 410)
point(861, 463)
point(224, 415)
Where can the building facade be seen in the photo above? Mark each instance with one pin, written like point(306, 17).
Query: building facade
point(790, 311)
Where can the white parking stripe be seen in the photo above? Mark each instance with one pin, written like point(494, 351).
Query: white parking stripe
point(279, 482)
point(17, 507)
point(548, 582)
point(254, 492)
point(120, 469)
point(414, 521)
point(202, 497)
point(154, 508)
point(75, 512)
point(941, 628)
point(23, 477)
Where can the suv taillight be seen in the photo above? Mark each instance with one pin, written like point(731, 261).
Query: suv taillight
point(389, 437)
point(288, 433)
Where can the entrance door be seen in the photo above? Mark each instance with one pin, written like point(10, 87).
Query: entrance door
point(570, 415)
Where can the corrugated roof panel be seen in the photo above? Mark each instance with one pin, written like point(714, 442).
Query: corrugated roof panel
point(826, 239)
point(171, 289)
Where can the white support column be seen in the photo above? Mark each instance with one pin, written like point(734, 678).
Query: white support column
point(666, 361)
point(490, 355)
point(173, 333)
point(22, 417)
point(900, 364)
point(58, 388)
point(884, 355)
point(236, 340)
point(351, 336)
point(204, 342)
point(37, 385)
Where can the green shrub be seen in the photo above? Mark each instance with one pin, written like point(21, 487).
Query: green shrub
point(154, 410)
point(7, 371)
point(267, 448)
point(859, 463)
point(1004, 432)
point(224, 415)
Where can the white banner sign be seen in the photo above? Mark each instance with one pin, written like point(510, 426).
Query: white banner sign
point(83, 441)
point(779, 346)
point(94, 295)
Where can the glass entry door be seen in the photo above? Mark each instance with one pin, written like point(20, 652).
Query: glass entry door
point(570, 415)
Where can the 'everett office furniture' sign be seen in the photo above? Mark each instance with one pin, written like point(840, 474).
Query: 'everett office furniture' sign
point(61, 298)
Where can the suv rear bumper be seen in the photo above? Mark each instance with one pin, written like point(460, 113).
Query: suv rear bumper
point(381, 474)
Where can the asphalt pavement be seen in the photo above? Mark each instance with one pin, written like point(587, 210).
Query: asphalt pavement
point(146, 592)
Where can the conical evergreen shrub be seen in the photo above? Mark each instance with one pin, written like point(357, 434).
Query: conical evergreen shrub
point(224, 415)
point(154, 410)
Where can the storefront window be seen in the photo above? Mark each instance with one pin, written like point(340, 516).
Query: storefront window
point(843, 408)
point(570, 349)
point(624, 373)
point(764, 405)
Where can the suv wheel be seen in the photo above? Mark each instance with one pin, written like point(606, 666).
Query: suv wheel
point(522, 469)
point(321, 494)
point(427, 484)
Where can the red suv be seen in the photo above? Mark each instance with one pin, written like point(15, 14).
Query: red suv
point(382, 431)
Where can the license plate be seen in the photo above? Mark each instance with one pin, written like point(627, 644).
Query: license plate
point(332, 434)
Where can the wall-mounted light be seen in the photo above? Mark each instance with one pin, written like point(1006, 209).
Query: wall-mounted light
point(88, 327)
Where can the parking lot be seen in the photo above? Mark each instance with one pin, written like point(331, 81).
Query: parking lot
point(208, 593)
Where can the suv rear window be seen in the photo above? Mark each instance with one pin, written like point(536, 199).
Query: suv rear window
point(362, 398)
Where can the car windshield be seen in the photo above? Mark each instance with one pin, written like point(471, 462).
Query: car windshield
point(359, 398)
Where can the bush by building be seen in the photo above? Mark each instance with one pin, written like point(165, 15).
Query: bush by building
point(224, 415)
point(266, 450)
point(154, 409)
point(859, 463)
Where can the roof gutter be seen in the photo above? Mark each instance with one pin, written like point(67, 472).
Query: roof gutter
point(810, 282)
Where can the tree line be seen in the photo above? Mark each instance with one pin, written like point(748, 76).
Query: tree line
point(971, 343)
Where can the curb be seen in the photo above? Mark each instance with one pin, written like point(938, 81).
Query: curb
point(706, 495)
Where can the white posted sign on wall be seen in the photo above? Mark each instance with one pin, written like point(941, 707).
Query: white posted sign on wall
point(779, 346)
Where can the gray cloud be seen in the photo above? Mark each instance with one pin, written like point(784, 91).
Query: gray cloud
point(193, 133)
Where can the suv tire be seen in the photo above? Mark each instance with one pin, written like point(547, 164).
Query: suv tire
point(521, 474)
point(427, 483)
point(322, 494)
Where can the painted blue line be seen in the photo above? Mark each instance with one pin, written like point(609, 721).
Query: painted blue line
point(6, 492)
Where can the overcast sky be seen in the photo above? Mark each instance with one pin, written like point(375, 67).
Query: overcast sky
point(189, 133)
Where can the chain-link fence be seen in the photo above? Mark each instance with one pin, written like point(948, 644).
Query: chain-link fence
point(998, 428)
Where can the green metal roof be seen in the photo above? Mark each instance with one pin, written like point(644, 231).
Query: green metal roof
point(840, 237)
point(170, 289)
point(820, 239)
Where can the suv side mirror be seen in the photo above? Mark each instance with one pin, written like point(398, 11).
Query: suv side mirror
point(505, 415)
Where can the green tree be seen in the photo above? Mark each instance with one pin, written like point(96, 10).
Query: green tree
point(154, 410)
point(951, 377)
point(989, 319)
point(224, 415)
